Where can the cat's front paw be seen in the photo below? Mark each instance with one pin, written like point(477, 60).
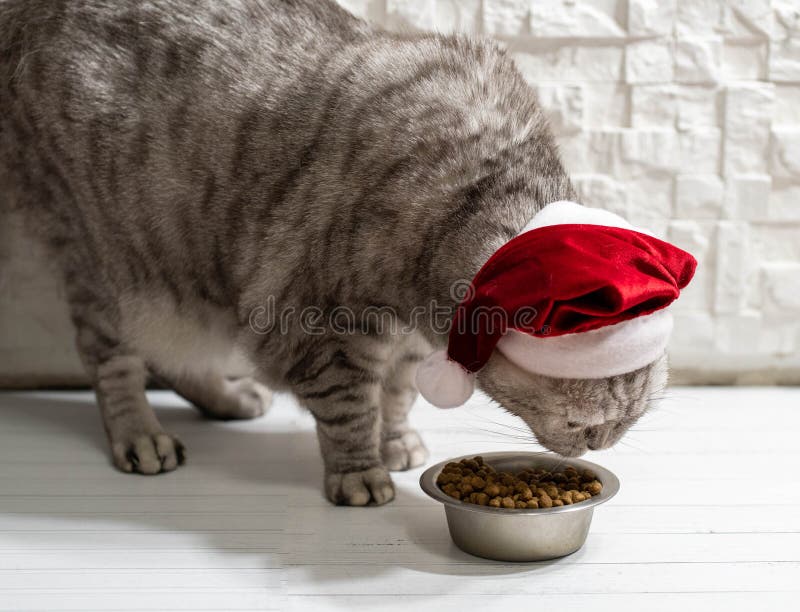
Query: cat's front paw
point(148, 454)
point(369, 487)
point(404, 452)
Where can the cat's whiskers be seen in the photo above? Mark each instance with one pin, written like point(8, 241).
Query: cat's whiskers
point(629, 444)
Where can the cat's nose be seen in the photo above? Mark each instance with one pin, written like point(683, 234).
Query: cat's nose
point(597, 437)
point(587, 419)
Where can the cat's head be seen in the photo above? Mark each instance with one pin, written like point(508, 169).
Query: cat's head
point(566, 325)
point(571, 415)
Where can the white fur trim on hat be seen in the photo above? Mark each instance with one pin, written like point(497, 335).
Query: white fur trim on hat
point(443, 382)
point(607, 351)
point(563, 211)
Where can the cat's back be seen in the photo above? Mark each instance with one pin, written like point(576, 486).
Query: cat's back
point(111, 96)
point(93, 54)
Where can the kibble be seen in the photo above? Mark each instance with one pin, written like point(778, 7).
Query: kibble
point(474, 481)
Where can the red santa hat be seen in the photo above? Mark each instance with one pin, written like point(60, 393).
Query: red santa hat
point(580, 293)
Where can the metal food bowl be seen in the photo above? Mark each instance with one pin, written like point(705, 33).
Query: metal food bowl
point(524, 534)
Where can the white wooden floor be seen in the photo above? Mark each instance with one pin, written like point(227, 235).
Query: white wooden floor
point(708, 517)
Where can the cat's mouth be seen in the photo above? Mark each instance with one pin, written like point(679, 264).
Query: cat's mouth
point(574, 441)
point(592, 438)
point(575, 450)
point(566, 444)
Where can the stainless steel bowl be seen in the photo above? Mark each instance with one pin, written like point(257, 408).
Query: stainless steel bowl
point(520, 535)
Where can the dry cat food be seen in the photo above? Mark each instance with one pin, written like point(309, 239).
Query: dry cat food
point(475, 482)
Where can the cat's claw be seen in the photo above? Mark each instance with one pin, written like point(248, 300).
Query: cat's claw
point(404, 452)
point(149, 454)
point(370, 487)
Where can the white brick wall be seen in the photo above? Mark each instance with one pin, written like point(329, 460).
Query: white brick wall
point(683, 115)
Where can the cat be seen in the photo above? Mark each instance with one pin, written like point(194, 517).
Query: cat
point(194, 164)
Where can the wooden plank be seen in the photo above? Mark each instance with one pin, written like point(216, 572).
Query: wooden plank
point(561, 577)
point(356, 546)
point(268, 540)
point(110, 559)
point(159, 578)
point(200, 522)
point(596, 602)
point(43, 600)
point(246, 514)
point(139, 505)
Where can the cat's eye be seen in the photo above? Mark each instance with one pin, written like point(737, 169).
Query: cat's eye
point(573, 425)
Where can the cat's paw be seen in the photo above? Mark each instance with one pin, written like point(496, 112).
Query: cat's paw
point(370, 487)
point(149, 454)
point(404, 452)
point(242, 398)
point(252, 399)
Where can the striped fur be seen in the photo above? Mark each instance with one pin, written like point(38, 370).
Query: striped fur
point(187, 160)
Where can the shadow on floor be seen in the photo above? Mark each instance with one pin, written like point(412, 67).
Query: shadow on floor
point(285, 463)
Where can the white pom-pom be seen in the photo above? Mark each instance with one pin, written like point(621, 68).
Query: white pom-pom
point(443, 382)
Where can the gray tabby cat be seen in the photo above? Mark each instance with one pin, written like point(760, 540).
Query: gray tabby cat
point(187, 160)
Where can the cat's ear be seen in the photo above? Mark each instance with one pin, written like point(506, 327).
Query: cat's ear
point(443, 382)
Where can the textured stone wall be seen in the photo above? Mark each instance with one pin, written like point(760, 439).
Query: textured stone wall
point(684, 116)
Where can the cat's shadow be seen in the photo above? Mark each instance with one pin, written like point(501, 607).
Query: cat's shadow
point(286, 462)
